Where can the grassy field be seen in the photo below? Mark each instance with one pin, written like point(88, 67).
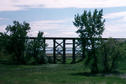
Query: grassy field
point(57, 74)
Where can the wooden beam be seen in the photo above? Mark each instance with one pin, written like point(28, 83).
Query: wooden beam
point(44, 46)
point(64, 52)
point(54, 51)
point(73, 52)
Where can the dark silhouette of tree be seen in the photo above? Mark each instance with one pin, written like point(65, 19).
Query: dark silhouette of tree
point(21, 50)
point(36, 50)
point(90, 28)
point(3, 40)
point(16, 43)
point(110, 51)
point(4, 56)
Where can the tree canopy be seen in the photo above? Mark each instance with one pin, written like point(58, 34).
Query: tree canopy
point(90, 28)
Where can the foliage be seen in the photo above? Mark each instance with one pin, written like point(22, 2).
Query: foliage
point(90, 28)
point(122, 48)
point(110, 55)
point(17, 49)
point(3, 41)
point(35, 50)
point(50, 60)
point(12, 42)
point(16, 44)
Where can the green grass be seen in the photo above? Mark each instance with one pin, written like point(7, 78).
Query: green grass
point(55, 74)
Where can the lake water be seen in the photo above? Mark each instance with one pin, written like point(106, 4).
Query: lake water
point(68, 50)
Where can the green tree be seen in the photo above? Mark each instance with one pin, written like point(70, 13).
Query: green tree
point(110, 54)
point(16, 43)
point(3, 40)
point(90, 28)
point(35, 50)
point(4, 56)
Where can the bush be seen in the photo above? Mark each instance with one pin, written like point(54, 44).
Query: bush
point(110, 55)
point(36, 49)
point(5, 58)
point(50, 59)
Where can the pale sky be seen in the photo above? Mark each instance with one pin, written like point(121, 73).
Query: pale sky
point(55, 17)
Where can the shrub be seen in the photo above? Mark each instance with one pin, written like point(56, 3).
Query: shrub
point(110, 55)
point(36, 49)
